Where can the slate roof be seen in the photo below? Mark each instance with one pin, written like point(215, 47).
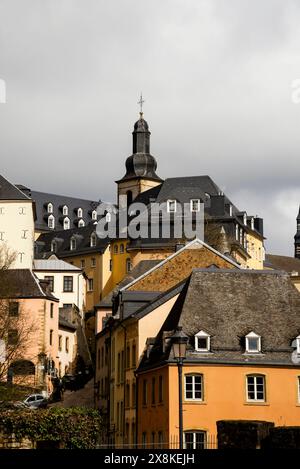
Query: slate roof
point(227, 305)
point(22, 283)
point(41, 200)
point(286, 263)
point(54, 265)
point(9, 191)
point(63, 238)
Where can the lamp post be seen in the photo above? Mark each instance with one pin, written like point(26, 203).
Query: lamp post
point(179, 342)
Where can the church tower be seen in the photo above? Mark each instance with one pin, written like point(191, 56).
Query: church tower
point(297, 237)
point(140, 166)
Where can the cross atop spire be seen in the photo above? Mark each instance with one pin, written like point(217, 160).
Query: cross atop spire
point(141, 102)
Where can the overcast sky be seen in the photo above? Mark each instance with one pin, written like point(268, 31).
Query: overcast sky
point(217, 79)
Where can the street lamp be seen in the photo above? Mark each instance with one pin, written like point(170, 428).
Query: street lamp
point(179, 343)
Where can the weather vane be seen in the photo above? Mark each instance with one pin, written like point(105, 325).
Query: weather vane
point(141, 102)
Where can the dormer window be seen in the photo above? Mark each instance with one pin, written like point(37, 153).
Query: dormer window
point(253, 343)
point(93, 240)
point(66, 223)
point(195, 205)
point(81, 223)
point(94, 215)
point(53, 246)
point(298, 344)
point(202, 342)
point(73, 244)
point(50, 208)
point(51, 222)
point(171, 206)
point(65, 210)
point(79, 213)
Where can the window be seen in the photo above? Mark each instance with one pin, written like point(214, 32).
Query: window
point(133, 357)
point(51, 337)
point(121, 248)
point(110, 265)
point(128, 357)
point(153, 391)
point(50, 280)
point(253, 343)
point(50, 208)
point(21, 256)
point(13, 309)
point(237, 232)
point(94, 215)
point(81, 223)
point(12, 337)
point(1, 210)
point(66, 223)
point(202, 342)
point(65, 210)
point(194, 440)
point(171, 206)
point(93, 262)
point(51, 310)
point(195, 205)
point(298, 344)
point(24, 234)
point(193, 387)
point(68, 283)
point(2, 235)
point(79, 213)
point(160, 389)
point(53, 246)
point(127, 395)
point(60, 343)
point(93, 240)
point(116, 249)
point(72, 244)
point(51, 222)
point(128, 265)
point(90, 284)
point(144, 392)
point(133, 396)
point(82, 263)
point(256, 388)
point(67, 344)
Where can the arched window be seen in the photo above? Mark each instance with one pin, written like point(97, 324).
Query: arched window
point(94, 215)
point(51, 222)
point(65, 210)
point(81, 223)
point(116, 249)
point(53, 246)
point(121, 248)
point(79, 212)
point(93, 240)
point(50, 208)
point(73, 244)
point(66, 223)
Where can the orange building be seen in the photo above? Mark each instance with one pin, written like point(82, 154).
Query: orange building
point(242, 360)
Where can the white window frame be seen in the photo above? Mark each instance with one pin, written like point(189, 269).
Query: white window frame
point(169, 202)
point(298, 344)
point(81, 223)
point(51, 222)
point(49, 207)
point(89, 289)
point(194, 376)
point(79, 212)
point(93, 240)
point(94, 215)
point(65, 210)
point(255, 376)
point(194, 433)
point(252, 335)
point(66, 219)
point(202, 335)
point(198, 205)
point(73, 244)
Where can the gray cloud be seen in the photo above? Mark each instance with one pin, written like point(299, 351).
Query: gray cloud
point(216, 75)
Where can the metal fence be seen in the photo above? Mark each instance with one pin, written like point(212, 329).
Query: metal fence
point(209, 442)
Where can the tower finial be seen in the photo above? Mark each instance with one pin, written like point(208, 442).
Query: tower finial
point(141, 102)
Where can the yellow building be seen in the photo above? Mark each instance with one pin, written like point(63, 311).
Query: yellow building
point(291, 265)
point(242, 359)
point(144, 302)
